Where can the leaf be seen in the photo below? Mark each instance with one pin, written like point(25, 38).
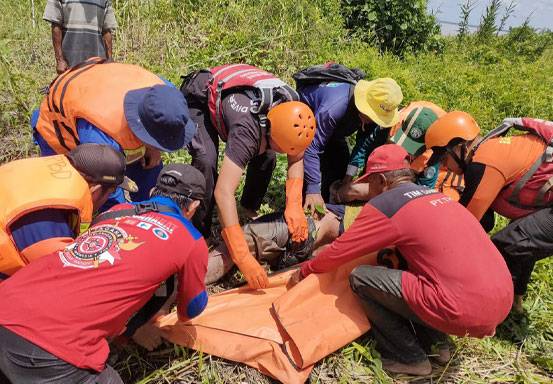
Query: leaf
point(320, 209)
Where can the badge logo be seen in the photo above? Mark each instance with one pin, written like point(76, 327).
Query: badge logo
point(160, 233)
point(99, 245)
point(143, 225)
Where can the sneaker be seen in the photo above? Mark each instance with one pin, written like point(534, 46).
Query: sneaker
point(421, 368)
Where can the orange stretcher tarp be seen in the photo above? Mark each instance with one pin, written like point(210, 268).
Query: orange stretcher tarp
point(280, 331)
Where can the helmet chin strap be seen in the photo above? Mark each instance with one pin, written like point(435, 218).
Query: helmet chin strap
point(459, 160)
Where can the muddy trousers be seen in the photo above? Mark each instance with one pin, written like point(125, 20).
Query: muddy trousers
point(523, 242)
point(24, 362)
point(399, 333)
point(268, 241)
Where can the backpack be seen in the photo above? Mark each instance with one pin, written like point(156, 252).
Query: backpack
point(542, 166)
point(326, 73)
point(244, 76)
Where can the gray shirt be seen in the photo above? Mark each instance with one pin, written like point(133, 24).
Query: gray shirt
point(83, 24)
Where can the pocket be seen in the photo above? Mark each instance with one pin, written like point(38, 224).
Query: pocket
point(35, 358)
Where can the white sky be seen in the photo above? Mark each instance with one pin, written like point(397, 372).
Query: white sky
point(541, 12)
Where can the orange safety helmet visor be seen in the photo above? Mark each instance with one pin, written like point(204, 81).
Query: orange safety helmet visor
point(292, 127)
point(452, 125)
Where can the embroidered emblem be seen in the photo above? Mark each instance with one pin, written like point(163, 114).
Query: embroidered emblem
point(160, 233)
point(100, 244)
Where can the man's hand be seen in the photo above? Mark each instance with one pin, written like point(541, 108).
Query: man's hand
point(61, 66)
point(312, 200)
point(148, 336)
point(255, 275)
point(151, 159)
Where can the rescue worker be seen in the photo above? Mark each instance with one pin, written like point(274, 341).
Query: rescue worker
point(62, 309)
point(415, 119)
point(442, 291)
point(510, 175)
point(341, 109)
point(121, 105)
point(256, 114)
point(46, 200)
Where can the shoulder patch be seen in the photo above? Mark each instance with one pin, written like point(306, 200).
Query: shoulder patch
point(390, 202)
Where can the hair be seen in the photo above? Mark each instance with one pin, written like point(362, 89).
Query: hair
point(181, 200)
point(405, 173)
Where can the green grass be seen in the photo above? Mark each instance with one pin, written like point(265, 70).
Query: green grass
point(503, 77)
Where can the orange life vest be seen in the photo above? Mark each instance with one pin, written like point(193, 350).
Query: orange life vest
point(32, 184)
point(93, 91)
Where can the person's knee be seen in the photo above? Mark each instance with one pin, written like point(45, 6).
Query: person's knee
point(358, 276)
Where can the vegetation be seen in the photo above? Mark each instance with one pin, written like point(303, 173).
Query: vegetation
point(394, 26)
point(491, 78)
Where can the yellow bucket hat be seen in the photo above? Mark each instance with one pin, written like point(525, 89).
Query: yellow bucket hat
point(379, 99)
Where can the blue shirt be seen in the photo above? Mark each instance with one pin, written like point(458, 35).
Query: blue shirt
point(41, 225)
point(329, 102)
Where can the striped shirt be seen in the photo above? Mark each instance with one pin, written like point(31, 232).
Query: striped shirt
point(83, 24)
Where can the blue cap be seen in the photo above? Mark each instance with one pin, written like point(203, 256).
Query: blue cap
point(159, 117)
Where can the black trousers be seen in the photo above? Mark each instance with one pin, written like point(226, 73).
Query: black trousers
point(400, 334)
point(523, 242)
point(334, 163)
point(204, 149)
point(24, 362)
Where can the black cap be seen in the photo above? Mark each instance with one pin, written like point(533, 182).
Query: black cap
point(188, 181)
point(101, 164)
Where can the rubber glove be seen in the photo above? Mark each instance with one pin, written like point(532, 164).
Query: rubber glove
point(294, 215)
point(255, 274)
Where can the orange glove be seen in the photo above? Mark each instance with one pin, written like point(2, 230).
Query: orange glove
point(254, 273)
point(294, 215)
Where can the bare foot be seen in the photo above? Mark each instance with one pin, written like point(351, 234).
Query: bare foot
point(422, 368)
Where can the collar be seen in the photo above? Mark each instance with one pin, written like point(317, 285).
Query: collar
point(166, 201)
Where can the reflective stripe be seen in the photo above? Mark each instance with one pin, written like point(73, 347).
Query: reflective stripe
point(225, 68)
point(226, 79)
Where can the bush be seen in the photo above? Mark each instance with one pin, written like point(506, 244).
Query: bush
point(398, 26)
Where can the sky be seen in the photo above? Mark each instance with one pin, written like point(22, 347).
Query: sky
point(541, 12)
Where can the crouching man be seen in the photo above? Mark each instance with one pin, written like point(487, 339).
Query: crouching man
point(456, 281)
point(59, 312)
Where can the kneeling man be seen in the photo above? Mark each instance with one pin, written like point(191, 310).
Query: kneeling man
point(60, 311)
point(456, 281)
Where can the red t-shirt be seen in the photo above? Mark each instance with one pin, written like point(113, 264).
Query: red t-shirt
point(457, 281)
point(70, 301)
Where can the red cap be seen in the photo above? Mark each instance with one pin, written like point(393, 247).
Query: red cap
point(388, 157)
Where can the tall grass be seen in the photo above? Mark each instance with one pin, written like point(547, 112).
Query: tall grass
point(502, 76)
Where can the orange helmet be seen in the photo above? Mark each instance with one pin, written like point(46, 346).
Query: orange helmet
point(452, 125)
point(292, 127)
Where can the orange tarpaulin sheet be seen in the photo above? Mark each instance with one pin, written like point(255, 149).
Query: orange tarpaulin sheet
point(280, 331)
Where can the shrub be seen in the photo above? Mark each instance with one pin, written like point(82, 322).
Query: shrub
point(398, 26)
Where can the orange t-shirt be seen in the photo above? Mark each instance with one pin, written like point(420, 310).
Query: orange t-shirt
point(505, 160)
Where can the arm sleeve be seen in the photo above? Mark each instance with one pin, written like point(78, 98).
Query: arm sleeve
point(370, 231)
point(326, 125)
point(42, 232)
point(110, 23)
point(244, 133)
point(365, 142)
point(192, 294)
point(482, 185)
point(53, 12)
point(89, 133)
